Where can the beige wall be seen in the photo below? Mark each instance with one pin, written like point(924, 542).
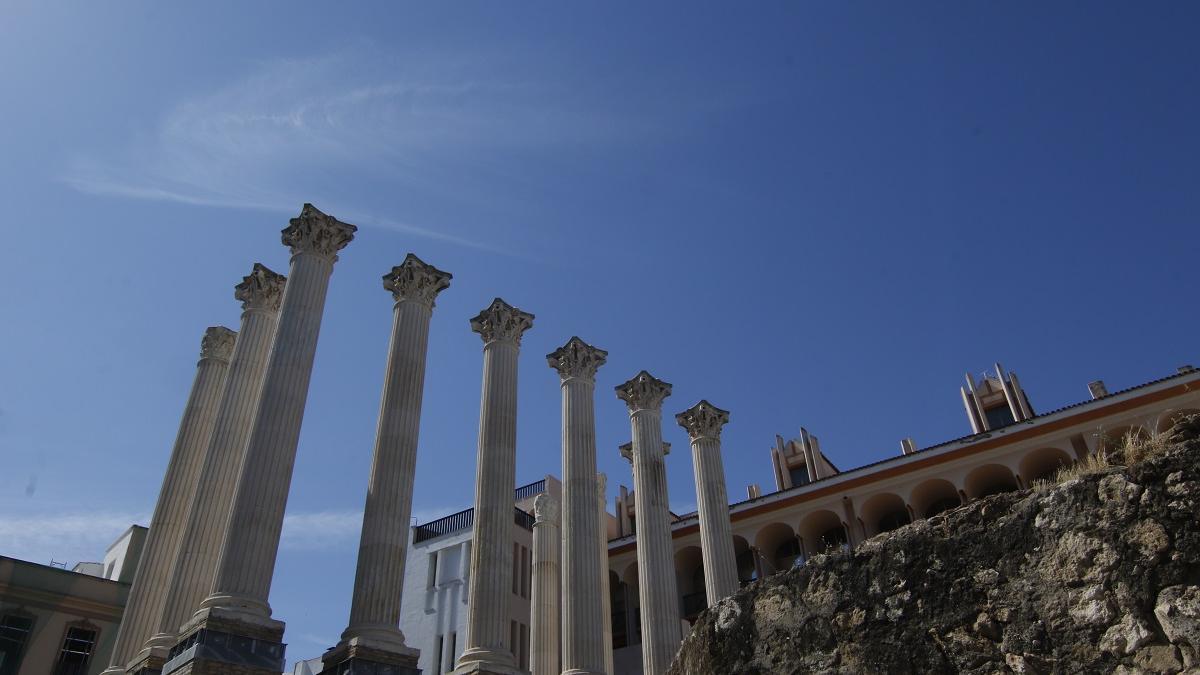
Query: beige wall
point(56, 599)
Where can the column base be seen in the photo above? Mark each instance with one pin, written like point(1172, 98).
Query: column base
point(579, 671)
point(147, 662)
point(360, 657)
point(219, 641)
point(483, 661)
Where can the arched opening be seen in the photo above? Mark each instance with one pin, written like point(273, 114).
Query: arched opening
point(934, 496)
point(1113, 441)
point(689, 580)
point(777, 545)
point(822, 532)
point(1042, 464)
point(747, 570)
point(633, 605)
point(618, 602)
point(989, 479)
point(1168, 420)
point(883, 513)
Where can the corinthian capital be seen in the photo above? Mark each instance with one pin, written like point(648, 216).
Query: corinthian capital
point(643, 392)
point(261, 289)
point(217, 343)
point(577, 359)
point(501, 322)
point(545, 509)
point(626, 450)
point(315, 232)
point(416, 280)
point(703, 420)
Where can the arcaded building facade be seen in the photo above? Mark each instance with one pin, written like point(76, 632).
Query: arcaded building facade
point(814, 508)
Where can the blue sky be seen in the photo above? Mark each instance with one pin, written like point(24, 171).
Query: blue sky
point(813, 214)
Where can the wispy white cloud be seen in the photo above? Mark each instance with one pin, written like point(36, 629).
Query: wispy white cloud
point(85, 536)
point(63, 537)
point(320, 530)
point(295, 130)
point(338, 530)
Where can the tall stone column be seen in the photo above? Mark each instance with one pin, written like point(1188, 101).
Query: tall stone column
point(544, 604)
point(194, 562)
point(661, 634)
point(238, 605)
point(501, 326)
point(148, 593)
point(373, 634)
point(703, 422)
point(582, 611)
point(605, 590)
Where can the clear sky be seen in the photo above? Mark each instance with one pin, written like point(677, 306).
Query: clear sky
point(815, 214)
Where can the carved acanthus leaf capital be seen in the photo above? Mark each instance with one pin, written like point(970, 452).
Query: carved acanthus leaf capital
point(261, 289)
point(577, 359)
point(501, 322)
point(317, 233)
point(627, 450)
point(545, 509)
point(643, 392)
point(217, 343)
point(703, 420)
point(416, 280)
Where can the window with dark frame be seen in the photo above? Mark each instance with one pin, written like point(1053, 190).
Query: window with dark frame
point(14, 631)
point(76, 651)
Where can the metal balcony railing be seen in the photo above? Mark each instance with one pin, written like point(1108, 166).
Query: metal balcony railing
point(457, 522)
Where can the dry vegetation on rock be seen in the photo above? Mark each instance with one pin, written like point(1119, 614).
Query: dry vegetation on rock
point(1100, 573)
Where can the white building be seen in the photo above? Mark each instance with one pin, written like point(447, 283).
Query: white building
point(437, 571)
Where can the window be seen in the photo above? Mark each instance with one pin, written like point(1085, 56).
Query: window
point(514, 634)
point(799, 475)
point(999, 416)
point(108, 572)
point(516, 568)
point(524, 660)
point(527, 573)
point(450, 653)
point(431, 573)
point(76, 651)
point(14, 630)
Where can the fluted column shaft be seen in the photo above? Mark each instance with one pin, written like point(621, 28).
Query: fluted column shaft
point(716, 533)
point(495, 475)
point(379, 579)
point(487, 648)
point(656, 560)
point(247, 561)
point(583, 636)
point(196, 561)
point(148, 594)
point(545, 618)
point(605, 590)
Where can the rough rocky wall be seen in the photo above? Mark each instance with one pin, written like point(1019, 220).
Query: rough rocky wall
point(1098, 574)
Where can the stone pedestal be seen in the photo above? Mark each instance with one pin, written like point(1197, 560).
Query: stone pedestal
point(582, 606)
point(148, 593)
point(195, 561)
point(247, 560)
point(373, 634)
point(703, 423)
point(545, 618)
point(501, 327)
point(661, 634)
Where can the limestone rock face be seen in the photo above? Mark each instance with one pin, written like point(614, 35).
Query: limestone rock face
point(1098, 574)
